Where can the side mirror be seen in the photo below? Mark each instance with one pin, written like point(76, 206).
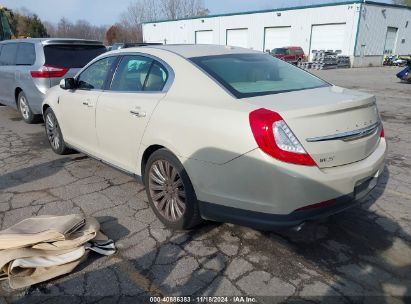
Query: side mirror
point(68, 84)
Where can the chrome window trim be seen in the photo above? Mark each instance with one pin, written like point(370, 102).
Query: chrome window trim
point(347, 136)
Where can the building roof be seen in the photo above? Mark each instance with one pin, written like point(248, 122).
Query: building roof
point(195, 50)
point(285, 9)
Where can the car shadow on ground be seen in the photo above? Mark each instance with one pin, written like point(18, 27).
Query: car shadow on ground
point(32, 173)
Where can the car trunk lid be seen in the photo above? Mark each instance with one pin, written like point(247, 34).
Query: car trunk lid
point(335, 126)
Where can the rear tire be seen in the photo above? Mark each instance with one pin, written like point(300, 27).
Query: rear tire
point(170, 192)
point(54, 134)
point(25, 110)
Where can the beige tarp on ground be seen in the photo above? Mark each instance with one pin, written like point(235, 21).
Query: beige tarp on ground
point(44, 247)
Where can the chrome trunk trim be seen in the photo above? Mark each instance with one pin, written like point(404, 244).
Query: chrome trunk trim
point(347, 136)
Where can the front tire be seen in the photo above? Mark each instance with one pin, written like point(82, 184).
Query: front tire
point(25, 110)
point(54, 134)
point(170, 192)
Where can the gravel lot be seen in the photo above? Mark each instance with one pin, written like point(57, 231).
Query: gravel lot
point(365, 251)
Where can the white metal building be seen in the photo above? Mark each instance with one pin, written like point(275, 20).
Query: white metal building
point(364, 30)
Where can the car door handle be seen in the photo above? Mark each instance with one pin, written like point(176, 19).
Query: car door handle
point(88, 103)
point(138, 113)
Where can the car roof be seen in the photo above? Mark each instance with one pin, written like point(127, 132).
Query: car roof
point(194, 50)
point(46, 41)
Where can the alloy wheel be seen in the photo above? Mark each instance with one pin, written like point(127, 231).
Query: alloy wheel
point(167, 190)
point(52, 129)
point(24, 107)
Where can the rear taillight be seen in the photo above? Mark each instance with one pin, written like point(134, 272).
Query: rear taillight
point(48, 71)
point(275, 138)
point(382, 134)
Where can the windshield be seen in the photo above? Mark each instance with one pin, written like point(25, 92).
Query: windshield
point(72, 56)
point(249, 75)
point(279, 51)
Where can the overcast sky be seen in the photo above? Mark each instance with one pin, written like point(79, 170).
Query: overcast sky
point(104, 12)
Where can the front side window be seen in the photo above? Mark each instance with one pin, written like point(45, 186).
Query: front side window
point(94, 77)
point(137, 74)
point(8, 54)
point(249, 75)
point(26, 54)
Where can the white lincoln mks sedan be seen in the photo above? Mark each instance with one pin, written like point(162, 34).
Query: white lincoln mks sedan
point(222, 133)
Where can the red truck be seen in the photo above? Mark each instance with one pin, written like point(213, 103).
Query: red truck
point(292, 54)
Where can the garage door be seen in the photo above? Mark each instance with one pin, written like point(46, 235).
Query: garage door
point(237, 37)
point(328, 37)
point(277, 37)
point(204, 37)
point(390, 40)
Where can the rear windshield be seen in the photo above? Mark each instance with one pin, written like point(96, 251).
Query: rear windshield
point(72, 56)
point(249, 75)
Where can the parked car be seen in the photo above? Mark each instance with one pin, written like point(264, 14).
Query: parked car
point(405, 74)
point(29, 67)
point(292, 54)
point(224, 134)
point(122, 45)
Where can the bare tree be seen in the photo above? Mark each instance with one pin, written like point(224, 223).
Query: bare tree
point(129, 28)
point(82, 29)
point(173, 9)
point(64, 28)
point(142, 11)
point(51, 28)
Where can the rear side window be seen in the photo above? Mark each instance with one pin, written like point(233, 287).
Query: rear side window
point(71, 56)
point(8, 54)
point(156, 78)
point(131, 74)
point(26, 54)
point(139, 73)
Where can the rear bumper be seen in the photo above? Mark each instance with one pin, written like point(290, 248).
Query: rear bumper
point(259, 183)
point(266, 221)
